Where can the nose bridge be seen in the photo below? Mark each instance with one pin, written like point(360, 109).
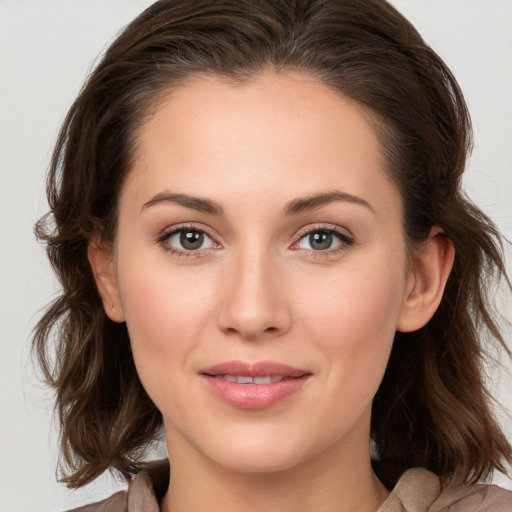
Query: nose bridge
point(252, 302)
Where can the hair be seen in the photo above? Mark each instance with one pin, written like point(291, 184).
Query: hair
point(432, 408)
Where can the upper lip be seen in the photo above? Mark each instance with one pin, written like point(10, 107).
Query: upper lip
point(258, 369)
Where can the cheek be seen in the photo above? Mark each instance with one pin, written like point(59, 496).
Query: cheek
point(165, 315)
point(353, 319)
point(165, 310)
point(358, 300)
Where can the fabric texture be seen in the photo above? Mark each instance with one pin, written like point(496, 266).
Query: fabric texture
point(417, 490)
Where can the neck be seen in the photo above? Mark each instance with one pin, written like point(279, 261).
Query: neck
point(329, 482)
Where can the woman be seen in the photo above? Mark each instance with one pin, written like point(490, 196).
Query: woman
point(264, 249)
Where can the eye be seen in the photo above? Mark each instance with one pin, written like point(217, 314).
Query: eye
point(323, 240)
point(187, 240)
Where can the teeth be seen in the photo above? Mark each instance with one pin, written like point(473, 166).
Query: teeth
point(246, 379)
point(262, 380)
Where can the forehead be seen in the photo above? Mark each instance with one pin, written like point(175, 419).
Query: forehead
point(265, 132)
point(271, 101)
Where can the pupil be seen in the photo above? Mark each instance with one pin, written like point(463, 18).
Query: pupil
point(191, 240)
point(320, 240)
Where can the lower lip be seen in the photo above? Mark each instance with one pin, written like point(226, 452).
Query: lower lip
point(254, 396)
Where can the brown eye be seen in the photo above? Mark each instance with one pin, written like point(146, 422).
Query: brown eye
point(324, 240)
point(320, 241)
point(188, 240)
point(191, 240)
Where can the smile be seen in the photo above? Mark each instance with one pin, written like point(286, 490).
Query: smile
point(254, 385)
point(245, 379)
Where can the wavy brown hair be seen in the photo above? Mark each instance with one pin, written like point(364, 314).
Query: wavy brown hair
point(432, 409)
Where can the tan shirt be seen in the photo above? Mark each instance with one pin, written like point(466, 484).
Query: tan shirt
point(417, 490)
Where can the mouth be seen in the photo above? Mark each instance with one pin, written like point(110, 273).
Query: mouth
point(254, 385)
point(247, 379)
point(266, 369)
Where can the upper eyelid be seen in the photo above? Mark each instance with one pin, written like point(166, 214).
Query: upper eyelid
point(332, 228)
point(183, 227)
point(344, 235)
point(163, 237)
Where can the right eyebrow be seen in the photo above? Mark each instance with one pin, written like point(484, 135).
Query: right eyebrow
point(195, 203)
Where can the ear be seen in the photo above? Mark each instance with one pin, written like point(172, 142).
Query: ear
point(101, 259)
point(431, 266)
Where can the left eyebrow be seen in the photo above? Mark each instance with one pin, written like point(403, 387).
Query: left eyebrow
point(303, 204)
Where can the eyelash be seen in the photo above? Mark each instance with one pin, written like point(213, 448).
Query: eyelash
point(346, 241)
point(164, 237)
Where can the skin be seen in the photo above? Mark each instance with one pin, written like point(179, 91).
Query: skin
point(259, 289)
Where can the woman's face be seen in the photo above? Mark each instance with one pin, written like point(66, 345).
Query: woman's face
point(261, 269)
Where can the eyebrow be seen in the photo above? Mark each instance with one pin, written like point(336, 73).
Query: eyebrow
point(312, 202)
point(188, 201)
point(299, 205)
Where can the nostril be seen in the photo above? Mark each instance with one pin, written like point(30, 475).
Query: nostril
point(249, 312)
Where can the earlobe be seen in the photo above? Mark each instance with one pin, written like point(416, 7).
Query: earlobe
point(431, 267)
point(102, 264)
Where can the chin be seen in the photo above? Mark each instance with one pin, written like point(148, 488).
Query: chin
point(259, 462)
point(258, 453)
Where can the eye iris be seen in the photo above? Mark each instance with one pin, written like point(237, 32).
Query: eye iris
point(320, 240)
point(191, 240)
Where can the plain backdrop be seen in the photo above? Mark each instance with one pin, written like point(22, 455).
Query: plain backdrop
point(46, 50)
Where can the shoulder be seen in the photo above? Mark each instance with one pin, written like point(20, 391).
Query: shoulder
point(116, 503)
point(145, 490)
point(481, 498)
point(419, 490)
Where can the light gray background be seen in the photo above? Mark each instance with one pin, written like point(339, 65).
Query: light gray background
point(46, 49)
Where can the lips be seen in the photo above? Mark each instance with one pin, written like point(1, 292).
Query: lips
point(247, 379)
point(254, 385)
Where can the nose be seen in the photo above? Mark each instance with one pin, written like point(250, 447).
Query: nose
point(253, 301)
